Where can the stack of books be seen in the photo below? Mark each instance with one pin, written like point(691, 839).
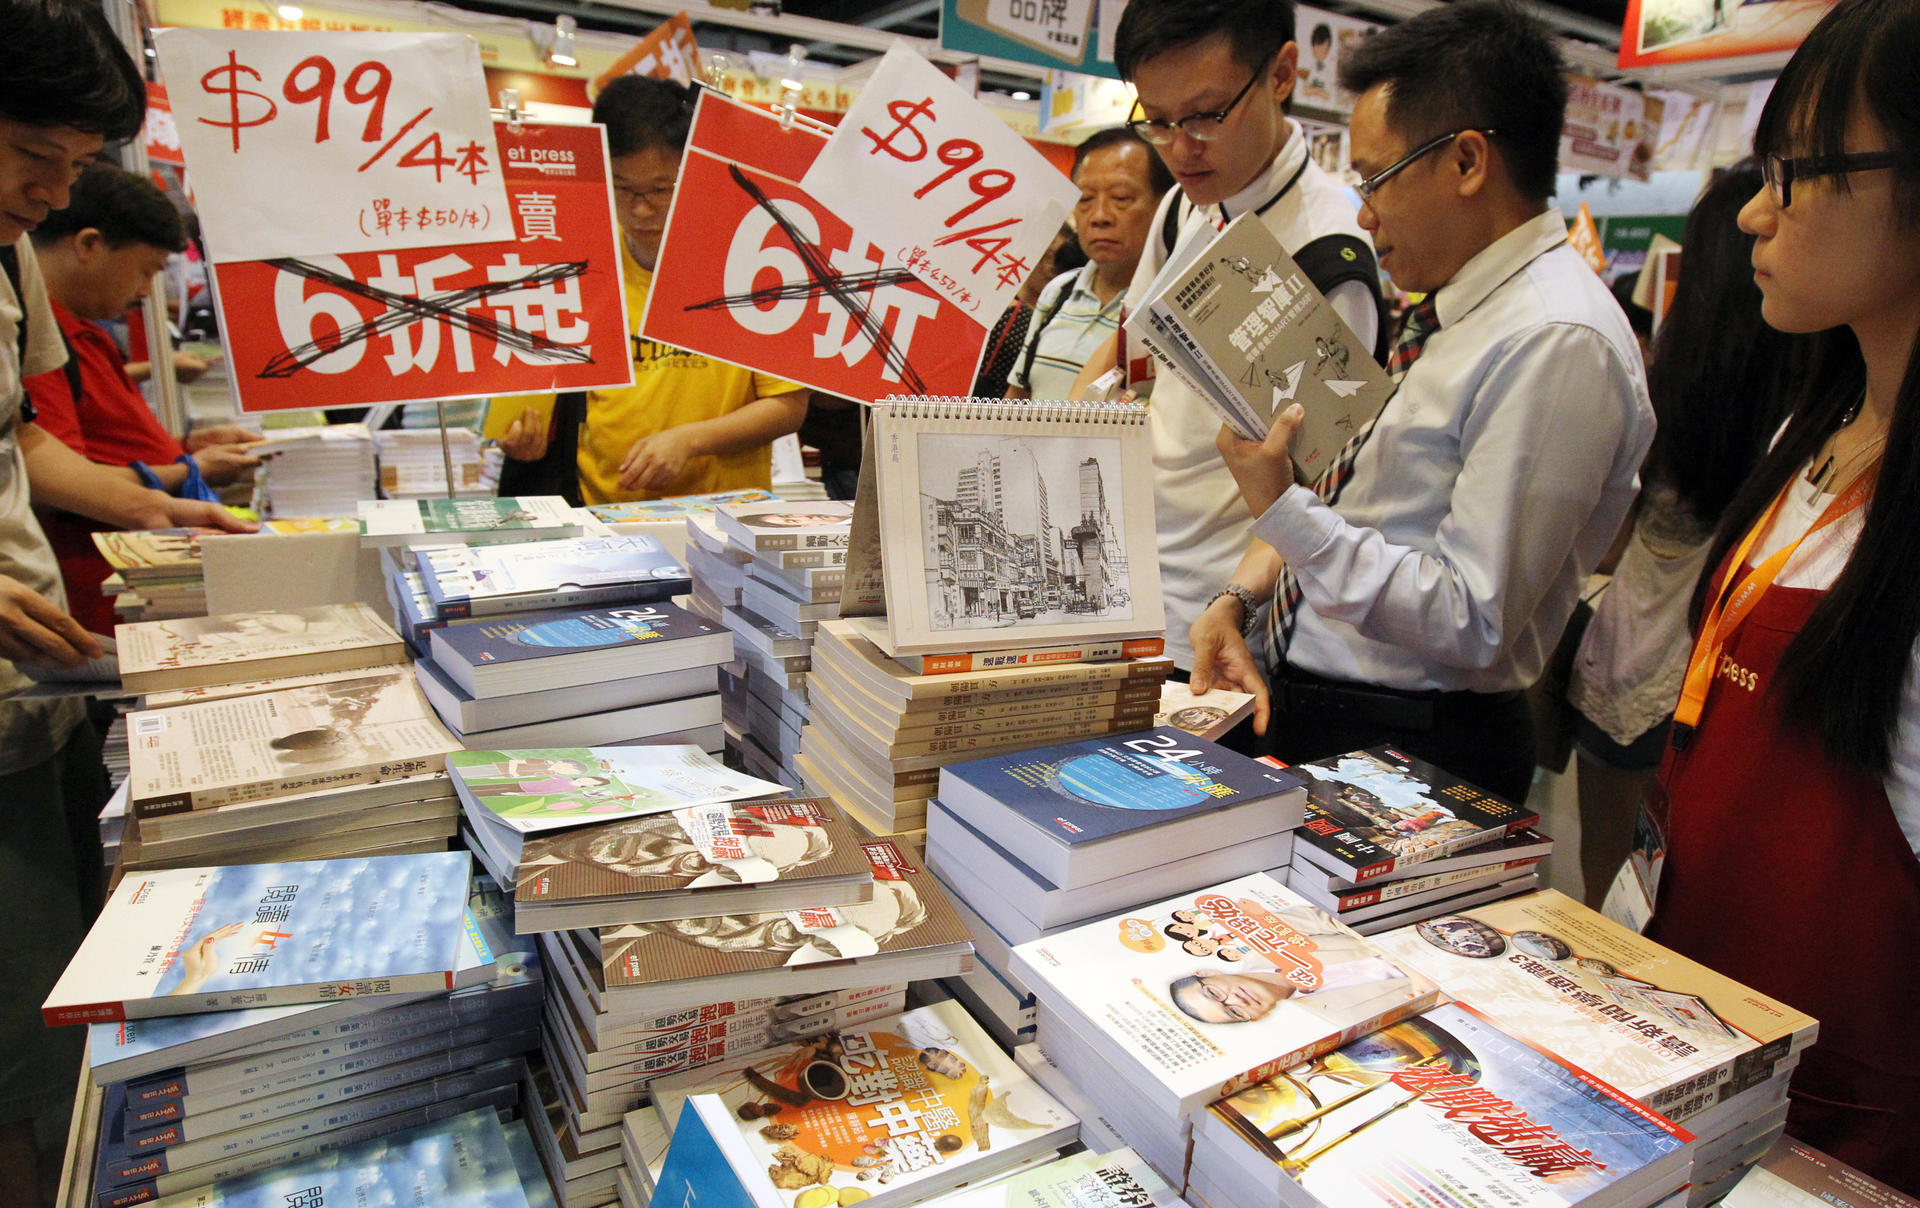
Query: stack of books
point(1199, 995)
point(686, 923)
point(1033, 843)
point(773, 600)
point(579, 677)
point(1446, 1107)
point(890, 1112)
point(665, 520)
point(1390, 840)
point(880, 728)
point(412, 464)
point(1699, 1048)
point(248, 1019)
point(1795, 1175)
point(422, 523)
point(493, 580)
point(320, 471)
point(157, 573)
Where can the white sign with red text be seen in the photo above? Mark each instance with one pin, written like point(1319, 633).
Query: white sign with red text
point(312, 143)
point(935, 179)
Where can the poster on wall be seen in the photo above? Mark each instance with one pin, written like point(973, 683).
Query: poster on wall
point(1691, 31)
point(755, 271)
point(544, 311)
point(1323, 38)
point(1609, 130)
point(1045, 33)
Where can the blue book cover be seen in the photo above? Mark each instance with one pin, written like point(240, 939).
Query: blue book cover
point(1446, 1110)
point(187, 940)
point(706, 1162)
point(558, 633)
point(471, 580)
point(1079, 793)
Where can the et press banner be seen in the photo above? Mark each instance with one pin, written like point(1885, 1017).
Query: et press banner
point(755, 271)
point(543, 311)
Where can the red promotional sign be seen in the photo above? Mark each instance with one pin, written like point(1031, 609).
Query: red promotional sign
point(669, 52)
point(544, 312)
point(755, 272)
point(162, 137)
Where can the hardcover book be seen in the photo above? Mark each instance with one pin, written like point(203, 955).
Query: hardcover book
point(196, 652)
point(275, 744)
point(1443, 1109)
point(675, 963)
point(537, 650)
point(1673, 1034)
point(1199, 995)
point(1099, 808)
point(708, 860)
point(1241, 324)
point(467, 581)
point(771, 527)
point(544, 788)
point(1378, 811)
point(212, 939)
point(1010, 524)
point(926, 1098)
point(419, 522)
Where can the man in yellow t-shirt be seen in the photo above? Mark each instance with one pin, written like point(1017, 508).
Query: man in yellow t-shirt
point(689, 424)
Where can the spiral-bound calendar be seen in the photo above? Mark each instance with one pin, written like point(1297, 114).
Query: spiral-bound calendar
point(1008, 523)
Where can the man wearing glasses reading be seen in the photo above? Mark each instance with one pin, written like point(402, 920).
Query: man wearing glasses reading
point(1213, 79)
point(689, 424)
point(1429, 574)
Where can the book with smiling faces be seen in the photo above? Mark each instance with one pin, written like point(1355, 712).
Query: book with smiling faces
point(711, 859)
point(1198, 995)
point(256, 935)
point(902, 1108)
point(1443, 1110)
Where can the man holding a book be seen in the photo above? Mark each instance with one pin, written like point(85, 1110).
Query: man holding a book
point(1214, 78)
point(1430, 570)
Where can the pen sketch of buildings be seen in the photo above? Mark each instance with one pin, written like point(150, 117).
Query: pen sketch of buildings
point(1020, 529)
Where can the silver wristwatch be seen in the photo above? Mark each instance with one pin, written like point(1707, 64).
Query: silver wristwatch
point(1248, 605)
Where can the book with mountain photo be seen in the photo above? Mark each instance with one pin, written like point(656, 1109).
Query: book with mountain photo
point(1237, 319)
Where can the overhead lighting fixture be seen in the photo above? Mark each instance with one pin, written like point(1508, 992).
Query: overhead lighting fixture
point(291, 12)
point(560, 54)
point(1021, 95)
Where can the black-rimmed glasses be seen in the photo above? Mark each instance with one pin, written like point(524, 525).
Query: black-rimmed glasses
point(1200, 127)
point(1780, 172)
point(1371, 185)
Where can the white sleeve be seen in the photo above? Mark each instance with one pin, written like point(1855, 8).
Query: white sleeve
point(1538, 445)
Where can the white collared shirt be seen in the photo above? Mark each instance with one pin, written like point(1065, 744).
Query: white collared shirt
point(1493, 483)
point(1201, 520)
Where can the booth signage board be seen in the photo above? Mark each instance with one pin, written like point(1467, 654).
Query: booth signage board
point(545, 311)
point(1045, 33)
point(933, 177)
point(318, 143)
point(1609, 130)
point(755, 271)
point(1661, 32)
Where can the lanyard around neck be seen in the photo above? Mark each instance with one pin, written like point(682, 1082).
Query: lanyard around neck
point(1733, 603)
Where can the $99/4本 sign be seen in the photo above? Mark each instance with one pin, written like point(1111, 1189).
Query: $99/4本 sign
point(310, 143)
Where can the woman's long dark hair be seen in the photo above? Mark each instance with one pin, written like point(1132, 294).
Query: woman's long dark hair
point(1845, 673)
point(1721, 380)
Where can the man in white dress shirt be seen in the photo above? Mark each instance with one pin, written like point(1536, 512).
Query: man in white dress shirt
point(1213, 79)
point(1433, 584)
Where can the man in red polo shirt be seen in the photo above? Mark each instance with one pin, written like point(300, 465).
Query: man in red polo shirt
point(99, 256)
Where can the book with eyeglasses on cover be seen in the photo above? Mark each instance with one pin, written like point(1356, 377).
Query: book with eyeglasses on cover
point(1009, 524)
point(1236, 319)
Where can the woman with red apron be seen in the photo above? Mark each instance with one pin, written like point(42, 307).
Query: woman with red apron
point(1795, 757)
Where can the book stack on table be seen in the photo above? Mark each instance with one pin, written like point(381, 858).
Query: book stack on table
point(251, 1020)
point(279, 736)
point(1795, 1175)
point(1034, 843)
point(413, 465)
point(775, 579)
point(1390, 839)
point(318, 471)
point(665, 519)
point(157, 573)
point(684, 917)
point(880, 728)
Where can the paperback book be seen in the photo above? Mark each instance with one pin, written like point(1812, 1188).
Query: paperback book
point(1379, 811)
point(771, 527)
point(1522, 845)
point(674, 507)
point(196, 652)
point(874, 629)
point(211, 939)
point(713, 859)
point(546, 788)
point(890, 680)
point(465, 581)
point(538, 650)
point(1444, 1110)
point(1199, 995)
point(421, 522)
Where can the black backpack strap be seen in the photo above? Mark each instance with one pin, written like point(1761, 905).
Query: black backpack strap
point(1333, 260)
point(1170, 225)
point(1039, 325)
point(10, 263)
point(72, 368)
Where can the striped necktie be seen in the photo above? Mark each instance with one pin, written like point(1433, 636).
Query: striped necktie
point(1420, 321)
